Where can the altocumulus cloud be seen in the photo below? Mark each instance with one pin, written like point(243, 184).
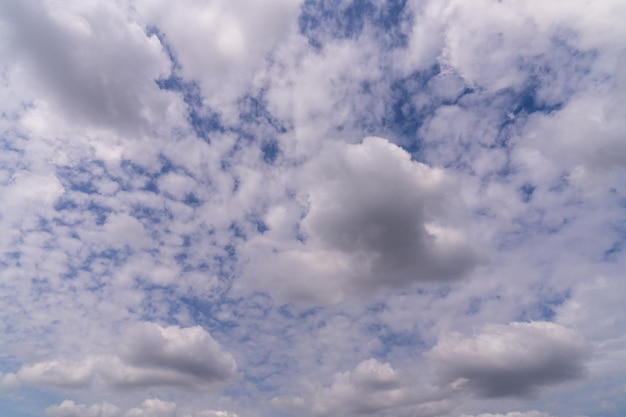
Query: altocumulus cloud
point(302, 208)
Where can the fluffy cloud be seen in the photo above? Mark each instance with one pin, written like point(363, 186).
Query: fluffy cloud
point(510, 360)
point(223, 43)
point(88, 60)
point(150, 355)
point(153, 408)
point(171, 356)
point(239, 183)
point(372, 388)
point(374, 218)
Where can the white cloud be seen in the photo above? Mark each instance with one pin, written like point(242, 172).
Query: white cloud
point(372, 388)
point(57, 373)
point(374, 218)
point(8, 382)
point(171, 355)
point(152, 407)
point(511, 108)
point(149, 355)
point(88, 60)
point(222, 43)
point(509, 360)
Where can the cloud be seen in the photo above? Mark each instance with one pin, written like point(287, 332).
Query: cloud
point(510, 360)
point(201, 163)
point(69, 408)
point(152, 407)
point(512, 414)
point(374, 218)
point(372, 388)
point(58, 373)
point(150, 355)
point(172, 356)
point(89, 61)
point(223, 43)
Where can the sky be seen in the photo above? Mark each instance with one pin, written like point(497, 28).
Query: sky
point(312, 208)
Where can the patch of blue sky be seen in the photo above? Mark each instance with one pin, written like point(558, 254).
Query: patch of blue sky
point(404, 115)
point(474, 305)
point(544, 308)
point(391, 340)
point(526, 192)
point(260, 226)
point(532, 223)
point(204, 120)
point(612, 253)
point(12, 154)
point(322, 20)
point(79, 178)
point(116, 257)
point(14, 405)
point(253, 111)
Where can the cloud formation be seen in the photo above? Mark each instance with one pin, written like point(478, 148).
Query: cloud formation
point(312, 208)
point(510, 360)
point(373, 218)
point(150, 355)
point(372, 388)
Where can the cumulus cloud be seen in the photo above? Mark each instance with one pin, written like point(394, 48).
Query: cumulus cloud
point(153, 408)
point(372, 388)
point(510, 360)
point(114, 210)
point(88, 60)
point(171, 355)
point(150, 355)
point(374, 218)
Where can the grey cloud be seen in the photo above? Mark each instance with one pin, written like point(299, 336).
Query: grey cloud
point(151, 356)
point(375, 218)
point(510, 360)
point(94, 65)
point(191, 352)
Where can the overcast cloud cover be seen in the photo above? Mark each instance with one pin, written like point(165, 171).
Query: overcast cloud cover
point(285, 208)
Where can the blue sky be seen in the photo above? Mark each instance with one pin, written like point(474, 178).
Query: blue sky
point(290, 208)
